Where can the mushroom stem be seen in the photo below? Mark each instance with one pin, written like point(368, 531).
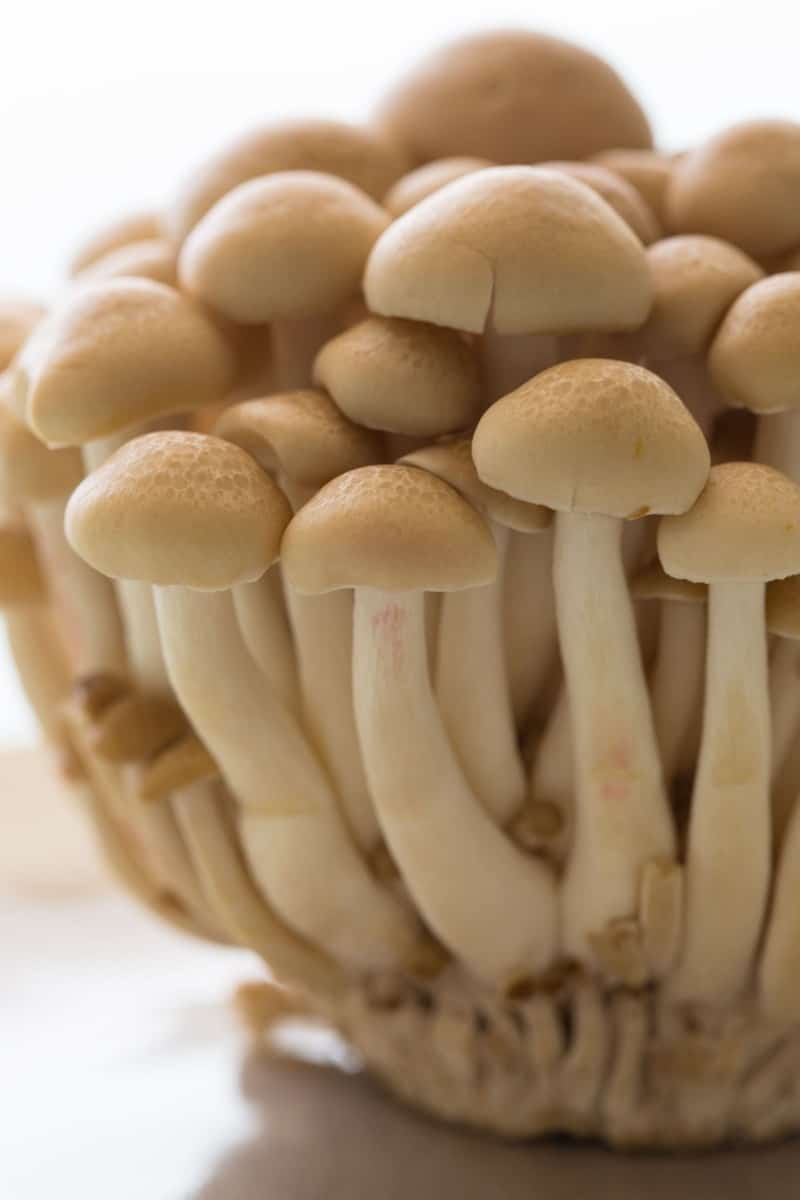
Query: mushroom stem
point(784, 689)
point(529, 618)
point(295, 344)
point(676, 681)
point(728, 856)
point(778, 442)
point(786, 789)
point(511, 359)
point(261, 612)
point(552, 777)
point(622, 818)
point(41, 666)
point(492, 906)
point(779, 970)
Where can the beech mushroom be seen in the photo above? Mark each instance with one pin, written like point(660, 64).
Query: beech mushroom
point(393, 532)
point(649, 171)
point(620, 195)
point(136, 227)
point(426, 180)
point(600, 442)
point(783, 620)
point(742, 532)
point(154, 259)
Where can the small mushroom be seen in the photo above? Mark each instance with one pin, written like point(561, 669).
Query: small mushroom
point(426, 180)
point(783, 620)
point(153, 258)
point(649, 171)
point(137, 227)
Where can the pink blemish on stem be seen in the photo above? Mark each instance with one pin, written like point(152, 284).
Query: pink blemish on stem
point(615, 772)
point(388, 626)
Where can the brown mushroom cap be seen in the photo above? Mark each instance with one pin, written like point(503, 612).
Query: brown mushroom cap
point(21, 579)
point(755, 357)
point(529, 248)
point(137, 227)
point(742, 186)
point(594, 436)
point(653, 583)
point(390, 527)
point(30, 472)
point(426, 180)
point(153, 258)
point(290, 245)
point(364, 157)
point(18, 319)
point(513, 97)
point(744, 527)
point(626, 201)
point(646, 170)
point(402, 377)
point(783, 607)
point(178, 509)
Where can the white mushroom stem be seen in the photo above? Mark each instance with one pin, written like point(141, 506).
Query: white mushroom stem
point(295, 345)
point(784, 691)
point(296, 842)
point(261, 611)
point(529, 618)
point(728, 856)
point(622, 818)
point(473, 693)
point(552, 777)
point(491, 905)
point(511, 359)
point(41, 665)
point(778, 443)
point(779, 970)
point(676, 680)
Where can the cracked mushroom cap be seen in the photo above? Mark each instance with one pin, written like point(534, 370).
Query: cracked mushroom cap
point(744, 527)
point(180, 509)
point(783, 607)
point(594, 436)
point(288, 246)
point(620, 195)
point(742, 186)
point(31, 472)
point(528, 249)
point(755, 358)
point(117, 353)
point(424, 181)
point(137, 227)
point(301, 435)
point(21, 579)
point(154, 258)
point(653, 583)
point(18, 319)
point(390, 527)
point(513, 97)
point(647, 170)
point(402, 377)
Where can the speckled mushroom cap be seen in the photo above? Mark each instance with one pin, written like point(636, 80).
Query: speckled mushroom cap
point(755, 358)
point(18, 319)
point(783, 607)
point(452, 461)
point(425, 180)
point(695, 281)
point(744, 527)
point(528, 248)
point(594, 436)
point(21, 579)
point(514, 97)
point(402, 377)
point(154, 258)
point(29, 471)
point(301, 434)
point(136, 227)
point(647, 170)
point(178, 509)
point(390, 527)
point(116, 353)
point(742, 186)
point(626, 201)
point(290, 245)
point(361, 155)
point(653, 583)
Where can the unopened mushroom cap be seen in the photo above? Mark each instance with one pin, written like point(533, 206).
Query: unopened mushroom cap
point(390, 527)
point(402, 377)
point(626, 201)
point(744, 527)
point(424, 181)
point(452, 461)
point(783, 607)
point(742, 186)
point(594, 436)
point(31, 472)
point(695, 280)
point(136, 227)
point(154, 258)
point(653, 583)
point(514, 97)
point(300, 434)
point(290, 245)
point(21, 579)
point(178, 509)
point(755, 357)
point(117, 353)
point(646, 170)
point(18, 319)
point(363, 156)
point(527, 249)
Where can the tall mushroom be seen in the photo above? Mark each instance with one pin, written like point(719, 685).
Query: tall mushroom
point(600, 442)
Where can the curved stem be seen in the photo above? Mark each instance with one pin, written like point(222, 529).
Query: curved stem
point(676, 681)
point(261, 612)
point(529, 618)
point(784, 691)
point(779, 970)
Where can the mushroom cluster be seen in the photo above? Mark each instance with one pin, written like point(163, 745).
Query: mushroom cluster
point(401, 548)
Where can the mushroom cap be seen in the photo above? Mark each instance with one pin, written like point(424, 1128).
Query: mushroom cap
point(742, 186)
point(300, 434)
point(594, 436)
point(647, 170)
point(695, 280)
point(18, 319)
point(528, 249)
point(363, 156)
point(180, 509)
point(151, 258)
point(31, 472)
point(744, 527)
point(622, 196)
point(21, 579)
point(452, 461)
point(514, 97)
point(402, 377)
point(390, 527)
point(783, 607)
point(290, 245)
point(755, 358)
point(424, 181)
point(136, 227)
point(653, 583)
point(117, 353)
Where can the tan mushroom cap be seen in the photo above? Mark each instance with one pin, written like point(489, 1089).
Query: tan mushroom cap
point(742, 186)
point(626, 201)
point(653, 583)
point(119, 352)
point(783, 607)
point(528, 248)
point(300, 434)
point(452, 461)
point(402, 377)
point(178, 509)
point(154, 258)
point(755, 358)
point(514, 97)
point(425, 180)
point(647, 170)
point(594, 436)
point(18, 319)
point(290, 245)
point(696, 279)
point(137, 227)
point(363, 156)
point(390, 527)
point(744, 527)
point(21, 579)
point(30, 472)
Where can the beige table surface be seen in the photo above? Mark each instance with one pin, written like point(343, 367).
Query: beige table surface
point(125, 1077)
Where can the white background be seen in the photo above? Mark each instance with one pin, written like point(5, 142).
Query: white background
point(103, 106)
